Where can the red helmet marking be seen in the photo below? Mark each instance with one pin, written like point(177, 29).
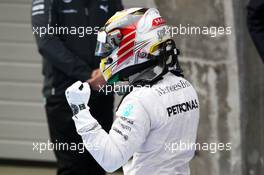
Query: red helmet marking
point(127, 44)
point(126, 47)
point(125, 57)
point(158, 22)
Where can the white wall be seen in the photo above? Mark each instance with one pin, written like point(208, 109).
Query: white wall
point(22, 118)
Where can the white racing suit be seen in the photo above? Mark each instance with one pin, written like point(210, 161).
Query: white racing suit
point(151, 123)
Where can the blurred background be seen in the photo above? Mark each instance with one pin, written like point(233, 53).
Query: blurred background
point(226, 70)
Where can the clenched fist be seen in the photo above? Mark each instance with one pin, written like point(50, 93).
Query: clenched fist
point(78, 96)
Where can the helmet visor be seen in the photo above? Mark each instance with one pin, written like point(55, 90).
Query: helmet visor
point(103, 48)
point(107, 42)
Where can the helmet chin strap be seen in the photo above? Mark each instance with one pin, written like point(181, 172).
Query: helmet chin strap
point(146, 75)
point(167, 61)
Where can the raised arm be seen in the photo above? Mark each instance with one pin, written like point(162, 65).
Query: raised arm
point(128, 132)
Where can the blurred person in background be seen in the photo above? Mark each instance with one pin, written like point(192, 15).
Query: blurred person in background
point(256, 24)
point(68, 56)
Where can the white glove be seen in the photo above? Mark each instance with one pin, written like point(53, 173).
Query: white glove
point(78, 96)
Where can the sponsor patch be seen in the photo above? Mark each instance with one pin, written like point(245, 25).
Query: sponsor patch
point(104, 8)
point(127, 110)
point(127, 120)
point(76, 109)
point(175, 87)
point(121, 133)
point(183, 107)
point(69, 11)
point(158, 22)
point(124, 126)
point(161, 34)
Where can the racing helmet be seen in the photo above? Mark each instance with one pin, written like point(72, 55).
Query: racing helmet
point(130, 42)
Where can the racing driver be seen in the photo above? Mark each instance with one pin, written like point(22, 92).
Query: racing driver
point(161, 109)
